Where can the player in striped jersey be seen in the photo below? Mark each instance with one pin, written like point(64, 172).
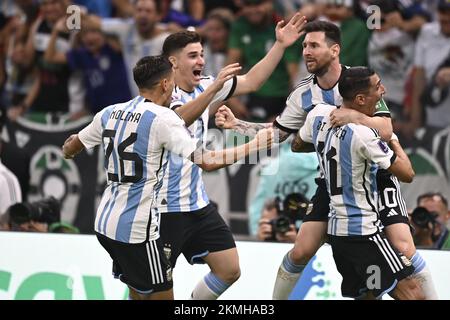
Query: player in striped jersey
point(190, 224)
point(138, 137)
point(321, 55)
point(349, 157)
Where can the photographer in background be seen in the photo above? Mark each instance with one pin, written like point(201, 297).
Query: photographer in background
point(40, 216)
point(281, 220)
point(429, 221)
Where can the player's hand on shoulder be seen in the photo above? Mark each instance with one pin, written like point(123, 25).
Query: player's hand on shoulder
point(342, 116)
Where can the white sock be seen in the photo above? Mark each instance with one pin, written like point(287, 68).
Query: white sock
point(423, 275)
point(287, 276)
point(209, 288)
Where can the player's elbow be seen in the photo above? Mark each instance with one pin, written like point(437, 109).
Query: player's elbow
point(407, 176)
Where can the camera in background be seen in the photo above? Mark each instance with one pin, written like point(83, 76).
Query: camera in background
point(291, 210)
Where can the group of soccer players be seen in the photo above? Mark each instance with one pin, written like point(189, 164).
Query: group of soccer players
point(155, 206)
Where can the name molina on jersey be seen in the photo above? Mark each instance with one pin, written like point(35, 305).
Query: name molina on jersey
point(125, 116)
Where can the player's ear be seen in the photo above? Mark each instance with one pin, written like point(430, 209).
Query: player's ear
point(174, 61)
point(335, 50)
point(360, 100)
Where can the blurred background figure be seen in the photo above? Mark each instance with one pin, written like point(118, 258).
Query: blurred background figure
point(354, 32)
point(281, 176)
point(9, 185)
point(430, 101)
point(216, 33)
point(430, 221)
point(280, 220)
point(252, 35)
point(99, 59)
point(391, 50)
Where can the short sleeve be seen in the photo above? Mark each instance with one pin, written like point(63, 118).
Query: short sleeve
point(91, 135)
point(420, 49)
point(293, 116)
point(175, 136)
point(226, 92)
point(373, 148)
point(306, 131)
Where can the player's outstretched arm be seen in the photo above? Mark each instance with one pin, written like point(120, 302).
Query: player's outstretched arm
point(286, 35)
point(225, 119)
point(192, 110)
point(402, 167)
point(72, 146)
point(214, 160)
point(343, 116)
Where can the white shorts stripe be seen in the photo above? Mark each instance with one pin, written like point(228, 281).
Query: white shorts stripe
point(158, 263)
point(150, 262)
point(400, 200)
point(376, 240)
point(396, 258)
point(390, 253)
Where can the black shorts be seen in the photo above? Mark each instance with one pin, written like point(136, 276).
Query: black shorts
point(391, 206)
point(320, 207)
point(368, 263)
point(195, 234)
point(142, 266)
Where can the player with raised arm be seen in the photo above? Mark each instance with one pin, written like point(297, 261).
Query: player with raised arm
point(190, 224)
point(138, 138)
point(321, 54)
point(349, 157)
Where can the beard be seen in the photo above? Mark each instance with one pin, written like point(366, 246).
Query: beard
point(319, 70)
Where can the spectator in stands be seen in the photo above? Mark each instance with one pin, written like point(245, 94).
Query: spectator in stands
point(20, 85)
point(189, 14)
point(9, 185)
point(100, 61)
point(285, 174)
point(391, 54)
point(354, 32)
point(216, 34)
point(429, 220)
point(432, 51)
point(139, 36)
point(252, 35)
point(58, 89)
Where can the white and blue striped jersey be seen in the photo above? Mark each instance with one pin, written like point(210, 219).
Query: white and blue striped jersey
point(306, 95)
point(137, 137)
point(183, 188)
point(349, 157)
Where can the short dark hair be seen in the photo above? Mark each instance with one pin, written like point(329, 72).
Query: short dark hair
point(178, 41)
point(431, 195)
point(150, 70)
point(332, 32)
point(354, 81)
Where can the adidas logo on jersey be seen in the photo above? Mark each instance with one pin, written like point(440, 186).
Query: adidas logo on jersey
point(164, 202)
point(392, 213)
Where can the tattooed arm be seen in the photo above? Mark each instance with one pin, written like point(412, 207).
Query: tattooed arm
point(225, 119)
point(298, 145)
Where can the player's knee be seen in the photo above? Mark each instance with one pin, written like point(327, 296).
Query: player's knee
point(134, 295)
point(232, 275)
point(405, 246)
point(301, 254)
